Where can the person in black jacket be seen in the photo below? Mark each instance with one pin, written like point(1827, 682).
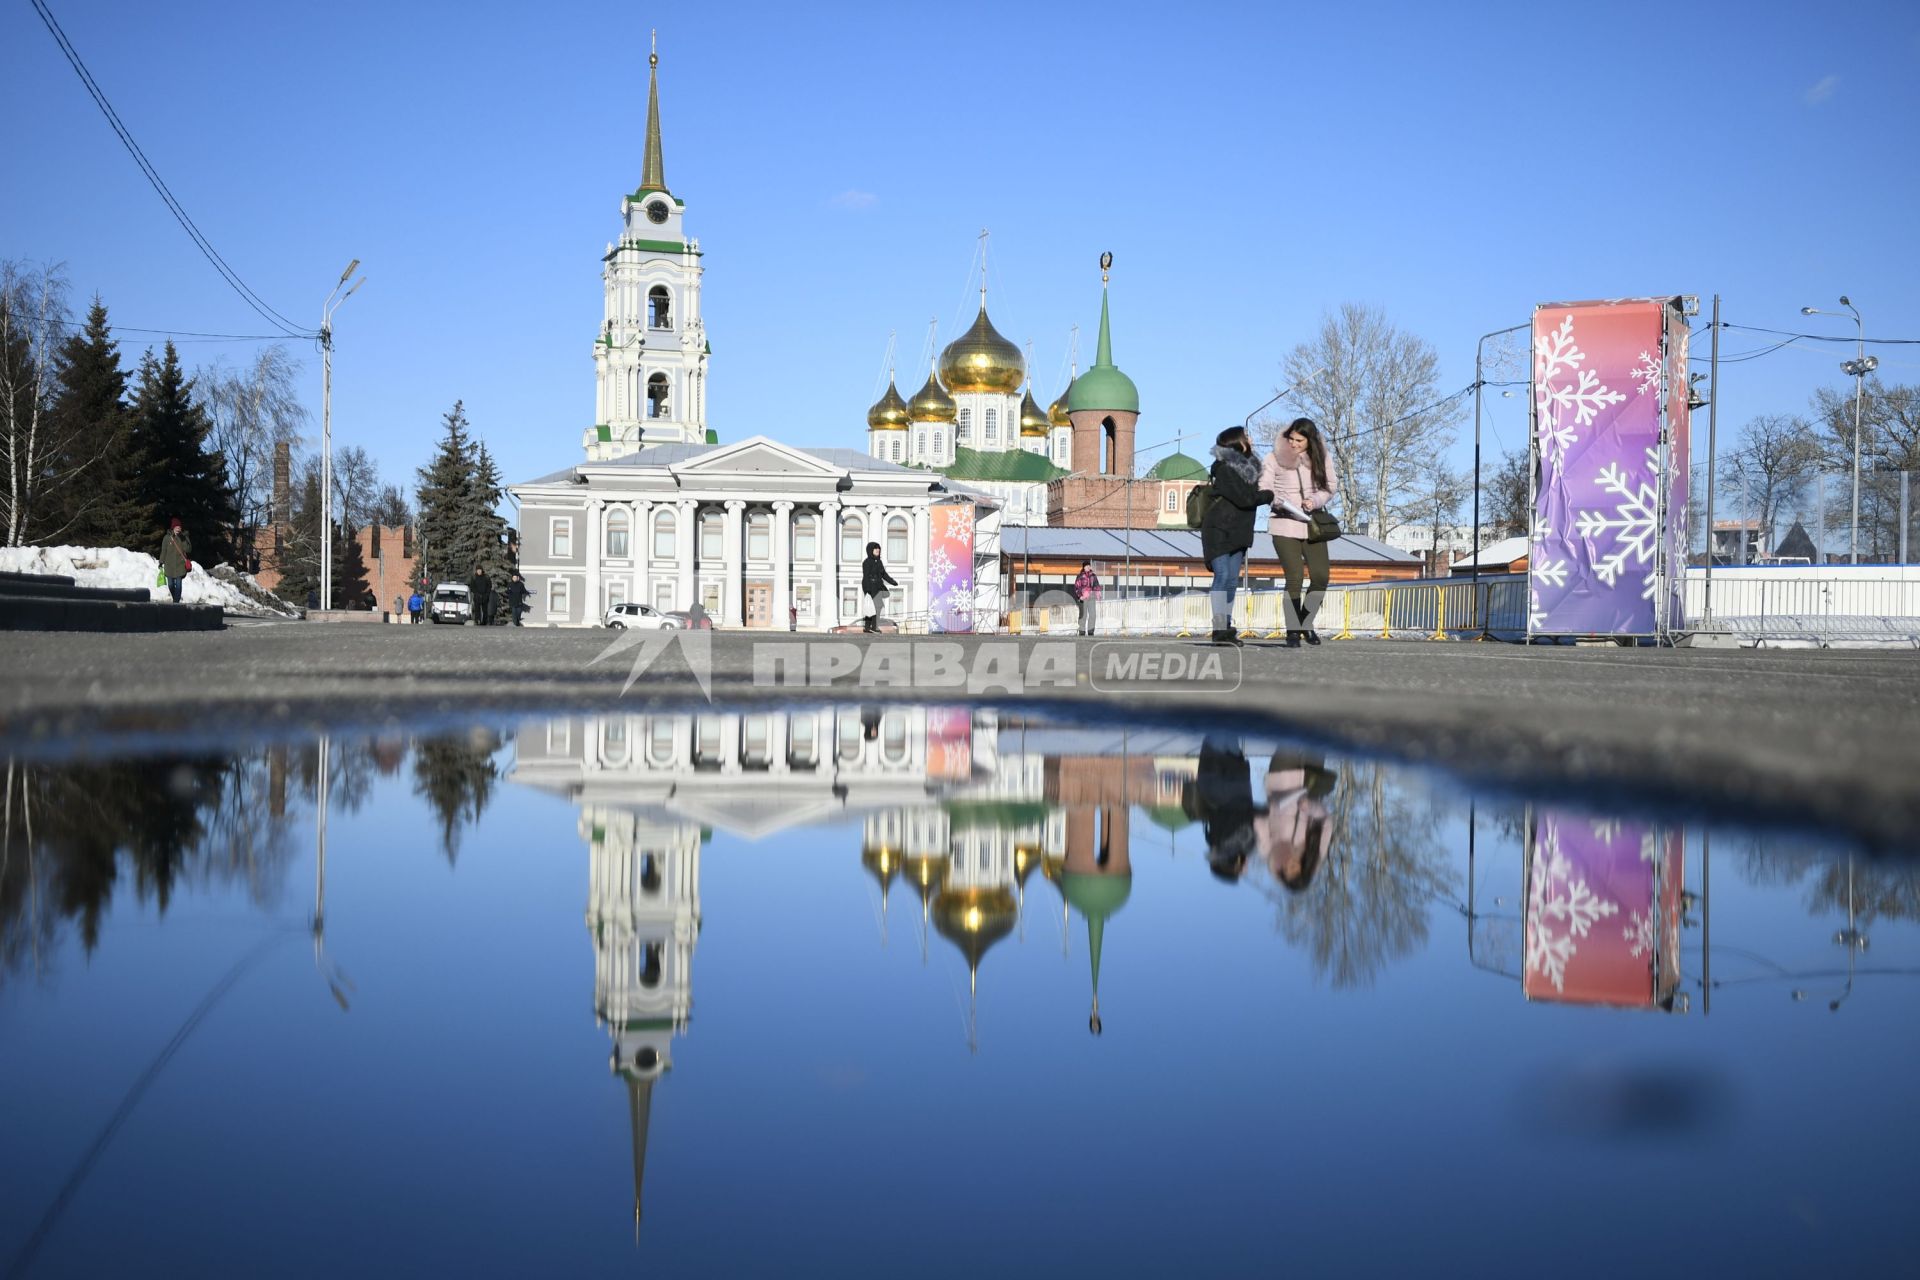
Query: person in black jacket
point(480, 594)
point(874, 581)
point(1226, 531)
point(517, 594)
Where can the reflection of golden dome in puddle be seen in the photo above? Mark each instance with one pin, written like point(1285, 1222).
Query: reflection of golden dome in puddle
point(1025, 858)
point(889, 413)
point(881, 861)
point(931, 403)
point(925, 873)
point(1032, 421)
point(975, 919)
point(981, 360)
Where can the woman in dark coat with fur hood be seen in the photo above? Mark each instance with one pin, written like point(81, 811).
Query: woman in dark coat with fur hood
point(1226, 531)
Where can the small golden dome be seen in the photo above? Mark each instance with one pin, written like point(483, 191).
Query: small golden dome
point(1057, 411)
point(974, 919)
point(1032, 421)
point(981, 360)
point(889, 413)
point(931, 403)
point(925, 873)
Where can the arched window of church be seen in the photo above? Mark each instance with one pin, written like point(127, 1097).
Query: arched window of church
point(657, 396)
point(852, 533)
point(659, 308)
point(663, 535)
point(713, 537)
point(897, 540)
point(938, 445)
point(806, 538)
point(993, 426)
point(619, 531)
point(964, 432)
point(760, 536)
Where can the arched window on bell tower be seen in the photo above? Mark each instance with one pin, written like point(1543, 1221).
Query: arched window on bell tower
point(657, 396)
point(659, 308)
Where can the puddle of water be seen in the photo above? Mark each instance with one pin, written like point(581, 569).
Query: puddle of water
point(911, 986)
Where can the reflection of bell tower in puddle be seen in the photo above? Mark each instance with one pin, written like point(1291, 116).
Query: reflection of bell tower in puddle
point(1097, 878)
point(643, 914)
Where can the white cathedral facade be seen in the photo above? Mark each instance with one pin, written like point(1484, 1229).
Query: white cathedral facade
point(661, 513)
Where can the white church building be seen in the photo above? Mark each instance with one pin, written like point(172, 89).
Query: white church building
point(760, 533)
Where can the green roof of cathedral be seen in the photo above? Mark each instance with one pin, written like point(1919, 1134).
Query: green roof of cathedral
point(1177, 466)
point(1015, 465)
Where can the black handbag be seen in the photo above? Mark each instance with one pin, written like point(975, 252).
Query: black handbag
point(1322, 526)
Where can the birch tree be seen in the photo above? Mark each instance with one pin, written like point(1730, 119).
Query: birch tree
point(253, 410)
point(33, 317)
point(1371, 388)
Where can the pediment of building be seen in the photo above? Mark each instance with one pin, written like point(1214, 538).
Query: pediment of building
point(760, 455)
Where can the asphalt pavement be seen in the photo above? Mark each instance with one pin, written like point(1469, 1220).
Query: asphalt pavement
point(1828, 739)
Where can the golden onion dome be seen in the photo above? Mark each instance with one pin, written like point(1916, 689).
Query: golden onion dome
point(925, 873)
point(881, 861)
point(931, 403)
point(1032, 421)
point(889, 413)
point(1057, 411)
point(981, 360)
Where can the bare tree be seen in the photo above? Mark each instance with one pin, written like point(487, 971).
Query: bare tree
point(33, 313)
point(1436, 504)
point(1768, 467)
point(254, 410)
point(1508, 507)
point(356, 486)
point(1371, 389)
point(1889, 444)
point(391, 507)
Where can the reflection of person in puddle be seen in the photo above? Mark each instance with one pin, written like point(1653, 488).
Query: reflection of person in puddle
point(1220, 796)
point(1295, 830)
point(1097, 877)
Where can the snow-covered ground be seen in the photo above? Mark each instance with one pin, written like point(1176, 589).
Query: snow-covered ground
point(222, 585)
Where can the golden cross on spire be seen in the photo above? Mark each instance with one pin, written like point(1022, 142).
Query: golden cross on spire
point(653, 48)
point(983, 268)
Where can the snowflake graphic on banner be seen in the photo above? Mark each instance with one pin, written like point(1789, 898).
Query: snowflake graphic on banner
point(1550, 572)
point(960, 524)
point(1631, 527)
point(1560, 407)
point(939, 566)
point(1646, 374)
point(1561, 907)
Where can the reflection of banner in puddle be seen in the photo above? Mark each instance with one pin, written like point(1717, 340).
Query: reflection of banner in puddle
point(949, 743)
point(1603, 911)
point(950, 567)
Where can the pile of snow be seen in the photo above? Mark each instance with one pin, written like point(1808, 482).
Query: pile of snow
point(223, 585)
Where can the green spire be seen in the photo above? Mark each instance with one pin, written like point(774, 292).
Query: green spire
point(653, 174)
point(1103, 387)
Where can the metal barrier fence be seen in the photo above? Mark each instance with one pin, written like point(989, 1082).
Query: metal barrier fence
point(1806, 593)
point(1435, 610)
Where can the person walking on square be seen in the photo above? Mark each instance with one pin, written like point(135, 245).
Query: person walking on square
point(1301, 475)
point(176, 551)
point(874, 581)
point(1086, 589)
point(480, 592)
point(517, 594)
point(415, 603)
point(1226, 531)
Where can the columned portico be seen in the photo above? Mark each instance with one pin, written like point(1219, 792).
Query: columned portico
point(733, 599)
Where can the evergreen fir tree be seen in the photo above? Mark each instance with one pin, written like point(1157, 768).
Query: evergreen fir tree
point(492, 554)
point(350, 587)
point(456, 775)
point(181, 477)
point(300, 556)
point(447, 503)
point(97, 468)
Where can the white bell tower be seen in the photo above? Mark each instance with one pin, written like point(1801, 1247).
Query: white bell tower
point(650, 357)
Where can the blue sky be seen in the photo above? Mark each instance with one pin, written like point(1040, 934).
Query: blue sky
point(1248, 166)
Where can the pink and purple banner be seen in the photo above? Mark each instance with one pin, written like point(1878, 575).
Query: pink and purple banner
point(1610, 434)
point(1603, 911)
point(950, 568)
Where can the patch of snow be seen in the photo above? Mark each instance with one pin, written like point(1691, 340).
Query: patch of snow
point(222, 585)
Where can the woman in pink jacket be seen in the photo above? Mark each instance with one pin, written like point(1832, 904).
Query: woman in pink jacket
point(1300, 472)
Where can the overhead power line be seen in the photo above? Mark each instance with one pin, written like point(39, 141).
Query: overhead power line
point(227, 273)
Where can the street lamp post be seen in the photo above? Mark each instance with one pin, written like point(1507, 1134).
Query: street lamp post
point(331, 305)
point(1859, 367)
point(1479, 382)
